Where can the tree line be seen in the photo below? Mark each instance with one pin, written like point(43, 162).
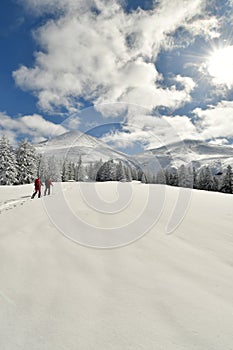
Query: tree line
point(17, 166)
point(188, 176)
point(22, 164)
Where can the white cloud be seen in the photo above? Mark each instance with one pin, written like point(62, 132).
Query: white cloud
point(106, 55)
point(152, 131)
point(204, 26)
point(35, 127)
point(220, 142)
point(215, 121)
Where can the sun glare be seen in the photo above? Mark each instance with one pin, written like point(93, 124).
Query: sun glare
point(220, 66)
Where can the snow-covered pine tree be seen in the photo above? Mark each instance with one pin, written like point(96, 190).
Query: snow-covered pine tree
point(90, 170)
point(128, 174)
point(107, 172)
point(185, 176)
point(149, 176)
point(96, 167)
point(173, 177)
point(154, 179)
point(160, 177)
point(195, 181)
point(215, 184)
point(54, 169)
point(80, 173)
point(140, 174)
point(205, 179)
point(201, 180)
point(168, 176)
point(182, 176)
point(27, 162)
point(38, 164)
point(120, 172)
point(70, 171)
point(103, 173)
point(112, 170)
point(8, 164)
point(227, 182)
point(65, 171)
point(143, 179)
point(209, 179)
point(134, 173)
point(43, 167)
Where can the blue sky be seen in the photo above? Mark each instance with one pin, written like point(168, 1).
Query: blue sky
point(162, 68)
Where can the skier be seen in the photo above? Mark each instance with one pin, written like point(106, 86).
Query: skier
point(37, 188)
point(48, 184)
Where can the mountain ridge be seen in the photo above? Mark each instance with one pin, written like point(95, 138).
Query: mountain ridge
point(73, 144)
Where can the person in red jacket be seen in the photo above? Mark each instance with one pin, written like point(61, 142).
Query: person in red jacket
point(37, 188)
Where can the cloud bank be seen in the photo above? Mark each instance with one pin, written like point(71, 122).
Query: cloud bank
point(33, 127)
point(94, 50)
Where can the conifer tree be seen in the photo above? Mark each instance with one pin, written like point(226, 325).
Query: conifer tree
point(80, 174)
point(90, 170)
point(8, 163)
point(134, 173)
point(27, 162)
point(70, 171)
point(195, 182)
point(160, 177)
point(143, 179)
point(65, 171)
point(128, 174)
point(215, 184)
point(171, 176)
point(120, 172)
point(112, 170)
point(182, 176)
point(209, 179)
point(205, 179)
point(54, 169)
point(227, 183)
point(140, 174)
point(103, 173)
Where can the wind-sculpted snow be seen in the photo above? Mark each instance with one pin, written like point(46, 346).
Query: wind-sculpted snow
point(160, 292)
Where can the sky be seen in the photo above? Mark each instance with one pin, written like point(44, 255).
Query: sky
point(137, 73)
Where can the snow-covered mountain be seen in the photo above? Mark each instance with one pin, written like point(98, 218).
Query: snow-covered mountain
point(74, 144)
point(197, 152)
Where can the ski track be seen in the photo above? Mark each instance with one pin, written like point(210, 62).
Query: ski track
point(12, 204)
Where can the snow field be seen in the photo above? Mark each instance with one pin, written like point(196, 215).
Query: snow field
point(161, 292)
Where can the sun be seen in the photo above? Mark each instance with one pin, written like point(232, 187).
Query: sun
point(220, 66)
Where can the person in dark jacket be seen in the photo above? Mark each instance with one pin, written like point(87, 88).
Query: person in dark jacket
point(37, 188)
point(48, 184)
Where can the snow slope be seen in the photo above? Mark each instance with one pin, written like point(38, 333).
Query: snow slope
point(162, 292)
